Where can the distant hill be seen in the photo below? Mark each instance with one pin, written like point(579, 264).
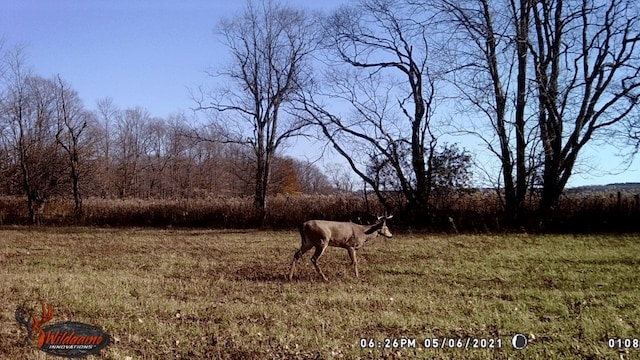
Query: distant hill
point(624, 187)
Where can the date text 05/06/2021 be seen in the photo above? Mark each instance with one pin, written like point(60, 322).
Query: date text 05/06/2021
point(518, 342)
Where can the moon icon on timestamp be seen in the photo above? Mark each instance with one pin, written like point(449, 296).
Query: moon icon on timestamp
point(519, 341)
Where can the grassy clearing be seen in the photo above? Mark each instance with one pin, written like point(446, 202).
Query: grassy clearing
point(191, 294)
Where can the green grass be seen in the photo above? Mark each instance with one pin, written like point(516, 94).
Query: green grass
point(189, 294)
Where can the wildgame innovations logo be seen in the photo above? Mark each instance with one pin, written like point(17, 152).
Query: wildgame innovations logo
point(67, 339)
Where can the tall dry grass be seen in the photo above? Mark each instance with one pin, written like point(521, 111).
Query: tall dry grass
point(224, 212)
point(479, 212)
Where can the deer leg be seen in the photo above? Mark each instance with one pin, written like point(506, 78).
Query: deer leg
point(296, 257)
point(314, 259)
point(354, 262)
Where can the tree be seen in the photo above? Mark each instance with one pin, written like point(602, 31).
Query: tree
point(489, 63)
point(72, 120)
point(28, 125)
point(340, 177)
point(451, 173)
point(270, 47)
point(311, 179)
point(130, 146)
point(285, 177)
point(107, 113)
point(587, 75)
point(573, 67)
point(389, 87)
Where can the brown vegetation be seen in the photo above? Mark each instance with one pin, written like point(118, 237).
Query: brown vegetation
point(470, 212)
point(211, 294)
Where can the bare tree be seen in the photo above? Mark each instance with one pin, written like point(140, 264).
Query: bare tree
point(549, 76)
point(340, 178)
point(270, 47)
point(106, 113)
point(587, 76)
point(131, 145)
point(72, 121)
point(489, 63)
point(312, 180)
point(389, 87)
point(178, 149)
point(28, 121)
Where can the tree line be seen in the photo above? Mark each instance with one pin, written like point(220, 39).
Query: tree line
point(52, 146)
point(380, 82)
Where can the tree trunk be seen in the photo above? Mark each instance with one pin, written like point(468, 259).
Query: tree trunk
point(261, 175)
point(77, 198)
point(521, 102)
point(512, 205)
point(31, 209)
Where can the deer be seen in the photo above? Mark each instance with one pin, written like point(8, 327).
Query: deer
point(320, 234)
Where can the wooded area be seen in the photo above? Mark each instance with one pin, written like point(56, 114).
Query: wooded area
point(376, 81)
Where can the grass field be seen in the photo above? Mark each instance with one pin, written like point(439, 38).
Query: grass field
point(189, 294)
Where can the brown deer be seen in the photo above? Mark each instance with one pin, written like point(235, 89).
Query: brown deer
point(319, 234)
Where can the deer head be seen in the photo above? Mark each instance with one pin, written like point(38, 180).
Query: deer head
point(384, 230)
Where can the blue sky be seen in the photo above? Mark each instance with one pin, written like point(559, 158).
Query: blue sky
point(140, 53)
point(148, 53)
